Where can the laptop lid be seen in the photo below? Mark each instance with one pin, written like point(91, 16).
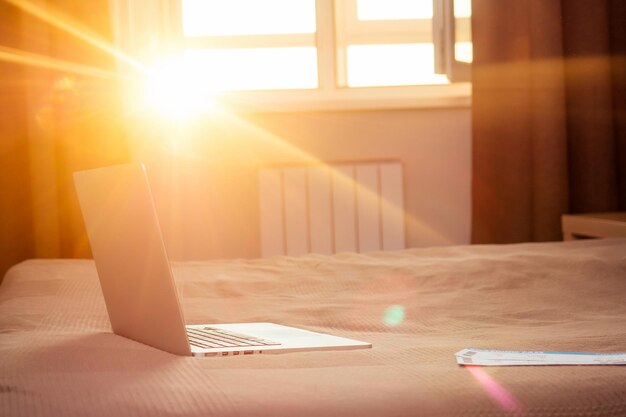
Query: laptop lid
point(127, 246)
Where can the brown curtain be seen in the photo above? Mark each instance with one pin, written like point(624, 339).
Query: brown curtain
point(549, 115)
point(60, 111)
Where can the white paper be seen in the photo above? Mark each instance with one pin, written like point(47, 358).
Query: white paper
point(529, 358)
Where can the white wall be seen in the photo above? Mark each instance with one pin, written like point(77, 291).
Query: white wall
point(205, 184)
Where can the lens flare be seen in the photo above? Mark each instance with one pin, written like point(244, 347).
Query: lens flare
point(37, 60)
point(394, 315)
point(70, 26)
point(177, 91)
point(496, 392)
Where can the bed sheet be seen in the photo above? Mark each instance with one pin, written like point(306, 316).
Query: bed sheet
point(418, 307)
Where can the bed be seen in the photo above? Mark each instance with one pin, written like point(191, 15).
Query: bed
point(418, 307)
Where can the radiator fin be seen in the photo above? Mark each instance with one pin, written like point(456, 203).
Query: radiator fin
point(346, 207)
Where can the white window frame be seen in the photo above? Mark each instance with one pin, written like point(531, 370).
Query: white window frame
point(352, 31)
point(330, 95)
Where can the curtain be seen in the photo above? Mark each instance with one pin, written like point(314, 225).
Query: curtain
point(15, 202)
point(60, 112)
point(549, 115)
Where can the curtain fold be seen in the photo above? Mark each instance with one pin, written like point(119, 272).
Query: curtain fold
point(15, 200)
point(548, 115)
point(58, 120)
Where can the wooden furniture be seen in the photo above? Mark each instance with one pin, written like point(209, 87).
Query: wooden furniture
point(590, 225)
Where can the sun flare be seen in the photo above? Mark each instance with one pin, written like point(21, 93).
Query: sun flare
point(177, 91)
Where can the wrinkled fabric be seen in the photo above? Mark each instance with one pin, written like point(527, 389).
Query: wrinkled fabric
point(418, 307)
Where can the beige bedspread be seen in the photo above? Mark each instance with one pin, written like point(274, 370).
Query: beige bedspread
point(418, 307)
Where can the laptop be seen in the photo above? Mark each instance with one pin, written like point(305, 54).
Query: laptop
point(138, 285)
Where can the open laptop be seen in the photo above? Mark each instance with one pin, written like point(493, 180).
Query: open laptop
point(138, 285)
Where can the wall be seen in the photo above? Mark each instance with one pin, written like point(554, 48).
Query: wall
point(205, 184)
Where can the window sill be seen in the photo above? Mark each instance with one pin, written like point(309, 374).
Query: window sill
point(372, 98)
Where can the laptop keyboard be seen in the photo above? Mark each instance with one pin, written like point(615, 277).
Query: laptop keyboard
point(210, 337)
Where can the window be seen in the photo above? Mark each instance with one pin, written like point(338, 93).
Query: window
point(385, 43)
point(252, 44)
point(304, 53)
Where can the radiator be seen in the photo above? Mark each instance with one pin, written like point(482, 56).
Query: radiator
point(342, 207)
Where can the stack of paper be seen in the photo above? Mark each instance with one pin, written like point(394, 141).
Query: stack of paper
point(511, 357)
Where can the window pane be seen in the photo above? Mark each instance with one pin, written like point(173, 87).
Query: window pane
point(394, 9)
point(255, 68)
point(387, 65)
point(462, 8)
point(247, 17)
point(463, 52)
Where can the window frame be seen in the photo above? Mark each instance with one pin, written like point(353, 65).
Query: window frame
point(444, 39)
point(331, 93)
point(350, 31)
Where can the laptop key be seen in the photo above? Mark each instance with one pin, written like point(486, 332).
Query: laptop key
point(223, 338)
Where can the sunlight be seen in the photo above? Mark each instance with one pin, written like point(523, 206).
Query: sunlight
point(462, 8)
point(464, 52)
point(177, 91)
point(394, 9)
point(392, 64)
point(66, 24)
point(247, 17)
point(294, 153)
point(44, 61)
point(494, 390)
point(255, 68)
